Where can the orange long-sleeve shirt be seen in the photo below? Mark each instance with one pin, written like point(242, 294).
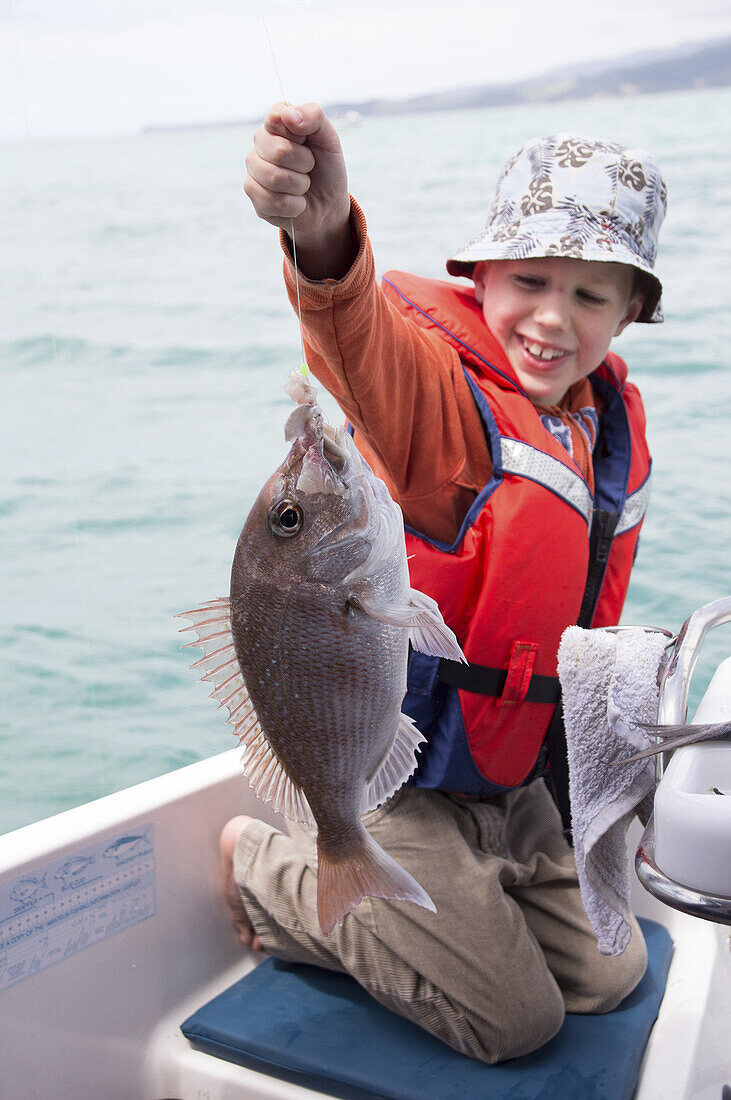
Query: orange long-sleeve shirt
point(404, 391)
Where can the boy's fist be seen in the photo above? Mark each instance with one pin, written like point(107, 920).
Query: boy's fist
point(296, 170)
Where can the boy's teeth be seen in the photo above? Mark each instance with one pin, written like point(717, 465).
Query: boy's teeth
point(542, 353)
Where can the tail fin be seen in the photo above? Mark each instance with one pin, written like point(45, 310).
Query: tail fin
point(363, 869)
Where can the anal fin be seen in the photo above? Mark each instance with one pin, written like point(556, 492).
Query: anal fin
point(398, 765)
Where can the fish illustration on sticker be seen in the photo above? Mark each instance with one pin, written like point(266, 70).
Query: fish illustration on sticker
point(73, 870)
point(126, 847)
point(28, 890)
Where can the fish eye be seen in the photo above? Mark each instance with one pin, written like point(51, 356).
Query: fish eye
point(285, 519)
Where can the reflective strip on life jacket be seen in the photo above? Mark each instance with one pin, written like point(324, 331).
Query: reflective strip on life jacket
point(635, 507)
point(525, 460)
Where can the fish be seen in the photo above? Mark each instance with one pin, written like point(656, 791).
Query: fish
point(674, 737)
point(309, 654)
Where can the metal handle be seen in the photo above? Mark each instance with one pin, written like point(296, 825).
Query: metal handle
point(697, 904)
point(676, 675)
point(672, 710)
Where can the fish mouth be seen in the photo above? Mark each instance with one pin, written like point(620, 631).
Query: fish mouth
point(311, 435)
point(336, 455)
point(319, 466)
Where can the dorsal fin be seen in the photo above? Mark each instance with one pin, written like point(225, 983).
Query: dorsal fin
point(269, 781)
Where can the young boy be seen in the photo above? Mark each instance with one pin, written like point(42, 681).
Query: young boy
point(505, 429)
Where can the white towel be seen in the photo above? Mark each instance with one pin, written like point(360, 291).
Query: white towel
point(609, 684)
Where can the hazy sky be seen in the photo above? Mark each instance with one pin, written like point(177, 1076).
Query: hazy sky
point(74, 67)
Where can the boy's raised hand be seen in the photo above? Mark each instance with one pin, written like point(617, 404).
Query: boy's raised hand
point(296, 171)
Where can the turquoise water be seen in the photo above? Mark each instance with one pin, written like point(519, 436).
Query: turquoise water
point(145, 339)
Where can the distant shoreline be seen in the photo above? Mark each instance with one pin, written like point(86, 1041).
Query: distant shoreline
point(693, 67)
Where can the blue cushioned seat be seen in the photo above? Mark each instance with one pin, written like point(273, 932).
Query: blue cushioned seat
point(321, 1029)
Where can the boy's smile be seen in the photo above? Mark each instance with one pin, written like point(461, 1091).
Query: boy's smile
point(555, 317)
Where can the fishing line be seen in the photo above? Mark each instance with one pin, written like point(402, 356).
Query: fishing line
point(304, 369)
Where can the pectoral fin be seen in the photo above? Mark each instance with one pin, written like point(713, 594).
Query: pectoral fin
point(421, 616)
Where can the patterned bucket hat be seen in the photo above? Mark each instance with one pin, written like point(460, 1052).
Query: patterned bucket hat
point(579, 197)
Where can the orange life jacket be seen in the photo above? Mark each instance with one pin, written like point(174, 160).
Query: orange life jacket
point(536, 553)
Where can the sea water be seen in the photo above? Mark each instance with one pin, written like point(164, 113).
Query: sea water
point(145, 338)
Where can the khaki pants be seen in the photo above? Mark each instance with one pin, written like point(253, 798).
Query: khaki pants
point(510, 948)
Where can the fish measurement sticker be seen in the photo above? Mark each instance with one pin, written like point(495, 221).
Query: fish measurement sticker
point(63, 907)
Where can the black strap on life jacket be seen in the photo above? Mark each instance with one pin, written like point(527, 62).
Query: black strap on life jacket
point(491, 681)
point(557, 776)
point(546, 689)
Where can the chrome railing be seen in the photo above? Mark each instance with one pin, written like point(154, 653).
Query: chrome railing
point(675, 676)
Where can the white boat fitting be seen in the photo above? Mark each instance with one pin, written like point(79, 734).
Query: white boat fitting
point(113, 930)
point(693, 820)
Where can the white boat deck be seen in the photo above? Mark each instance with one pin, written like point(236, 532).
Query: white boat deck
point(94, 987)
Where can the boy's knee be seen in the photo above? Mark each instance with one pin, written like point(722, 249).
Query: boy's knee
point(612, 979)
point(523, 1024)
point(529, 1025)
point(621, 979)
point(254, 838)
